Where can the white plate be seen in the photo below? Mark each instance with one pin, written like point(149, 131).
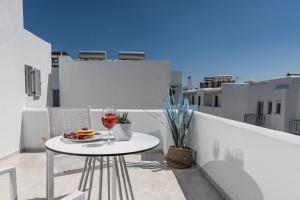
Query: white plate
point(98, 136)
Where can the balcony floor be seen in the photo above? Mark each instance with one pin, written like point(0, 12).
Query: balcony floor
point(151, 178)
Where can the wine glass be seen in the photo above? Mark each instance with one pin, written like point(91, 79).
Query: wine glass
point(109, 119)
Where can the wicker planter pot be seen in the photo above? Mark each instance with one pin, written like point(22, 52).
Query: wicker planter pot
point(180, 157)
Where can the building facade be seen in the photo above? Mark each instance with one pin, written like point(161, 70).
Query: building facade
point(129, 82)
point(272, 104)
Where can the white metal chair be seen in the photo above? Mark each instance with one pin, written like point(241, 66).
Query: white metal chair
point(67, 119)
point(12, 179)
point(61, 119)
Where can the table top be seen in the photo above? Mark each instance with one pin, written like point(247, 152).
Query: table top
point(139, 143)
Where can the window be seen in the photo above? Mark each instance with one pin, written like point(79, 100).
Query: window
point(32, 81)
point(193, 100)
point(55, 62)
point(28, 80)
point(278, 108)
point(270, 108)
point(199, 100)
point(216, 101)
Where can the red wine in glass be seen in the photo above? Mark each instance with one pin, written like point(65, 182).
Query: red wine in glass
point(109, 120)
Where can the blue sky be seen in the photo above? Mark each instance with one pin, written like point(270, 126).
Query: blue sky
point(250, 39)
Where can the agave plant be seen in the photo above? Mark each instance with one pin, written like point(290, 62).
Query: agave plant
point(179, 119)
point(123, 118)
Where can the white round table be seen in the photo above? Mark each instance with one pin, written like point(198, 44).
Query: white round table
point(95, 151)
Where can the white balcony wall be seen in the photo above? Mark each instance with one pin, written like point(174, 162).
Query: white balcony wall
point(124, 84)
point(35, 125)
point(246, 161)
point(17, 48)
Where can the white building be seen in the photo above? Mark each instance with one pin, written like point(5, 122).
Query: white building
point(272, 104)
point(20, 50)
point(129, 82)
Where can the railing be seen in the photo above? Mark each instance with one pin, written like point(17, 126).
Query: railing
point(258, 120)
point(294, 126)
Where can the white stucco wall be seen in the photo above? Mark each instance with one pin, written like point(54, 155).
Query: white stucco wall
point(37, 53)
point(176, 80)
point(17, 48)
point(35, 125)
point(12, 71)
point(248, 162)
point(234, 101)
point(124, 84)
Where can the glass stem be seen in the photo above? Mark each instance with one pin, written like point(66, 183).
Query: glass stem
point(108, 136)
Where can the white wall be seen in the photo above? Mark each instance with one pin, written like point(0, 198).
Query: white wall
point(246, 161)
point(176, 80)
point(37, 53)
point(234, 101)
point(17, 48)
point(124, 84)
point(12, 71)
point(35, 125)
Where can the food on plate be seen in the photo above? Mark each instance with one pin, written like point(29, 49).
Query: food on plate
point(80, 134)
point(85, 131)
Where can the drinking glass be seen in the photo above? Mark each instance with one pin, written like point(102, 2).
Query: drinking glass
point(109, 120)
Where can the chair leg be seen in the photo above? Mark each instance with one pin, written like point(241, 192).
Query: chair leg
point(13, 184)
point(50, 175)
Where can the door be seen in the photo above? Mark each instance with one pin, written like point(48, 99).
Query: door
point(55, 95)
point(216, 101)
point(260, 108)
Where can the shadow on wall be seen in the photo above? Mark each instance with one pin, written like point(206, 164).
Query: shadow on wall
point(232, 170)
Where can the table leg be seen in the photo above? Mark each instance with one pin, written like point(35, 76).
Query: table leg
point(83, 172)
point(127, 177)
point(87, 174)
point(100, 178)
point(91, 179)
point(123, 176)
point(108, 178)
point(114, 181)
point(50, 175)
point(118, 178)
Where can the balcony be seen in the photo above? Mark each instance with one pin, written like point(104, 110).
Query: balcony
point(294, 126)
point(234, 160)
point(258, 120)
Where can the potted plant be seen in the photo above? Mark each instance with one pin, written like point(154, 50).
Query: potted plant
point(179, 117)
point(123, 127)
